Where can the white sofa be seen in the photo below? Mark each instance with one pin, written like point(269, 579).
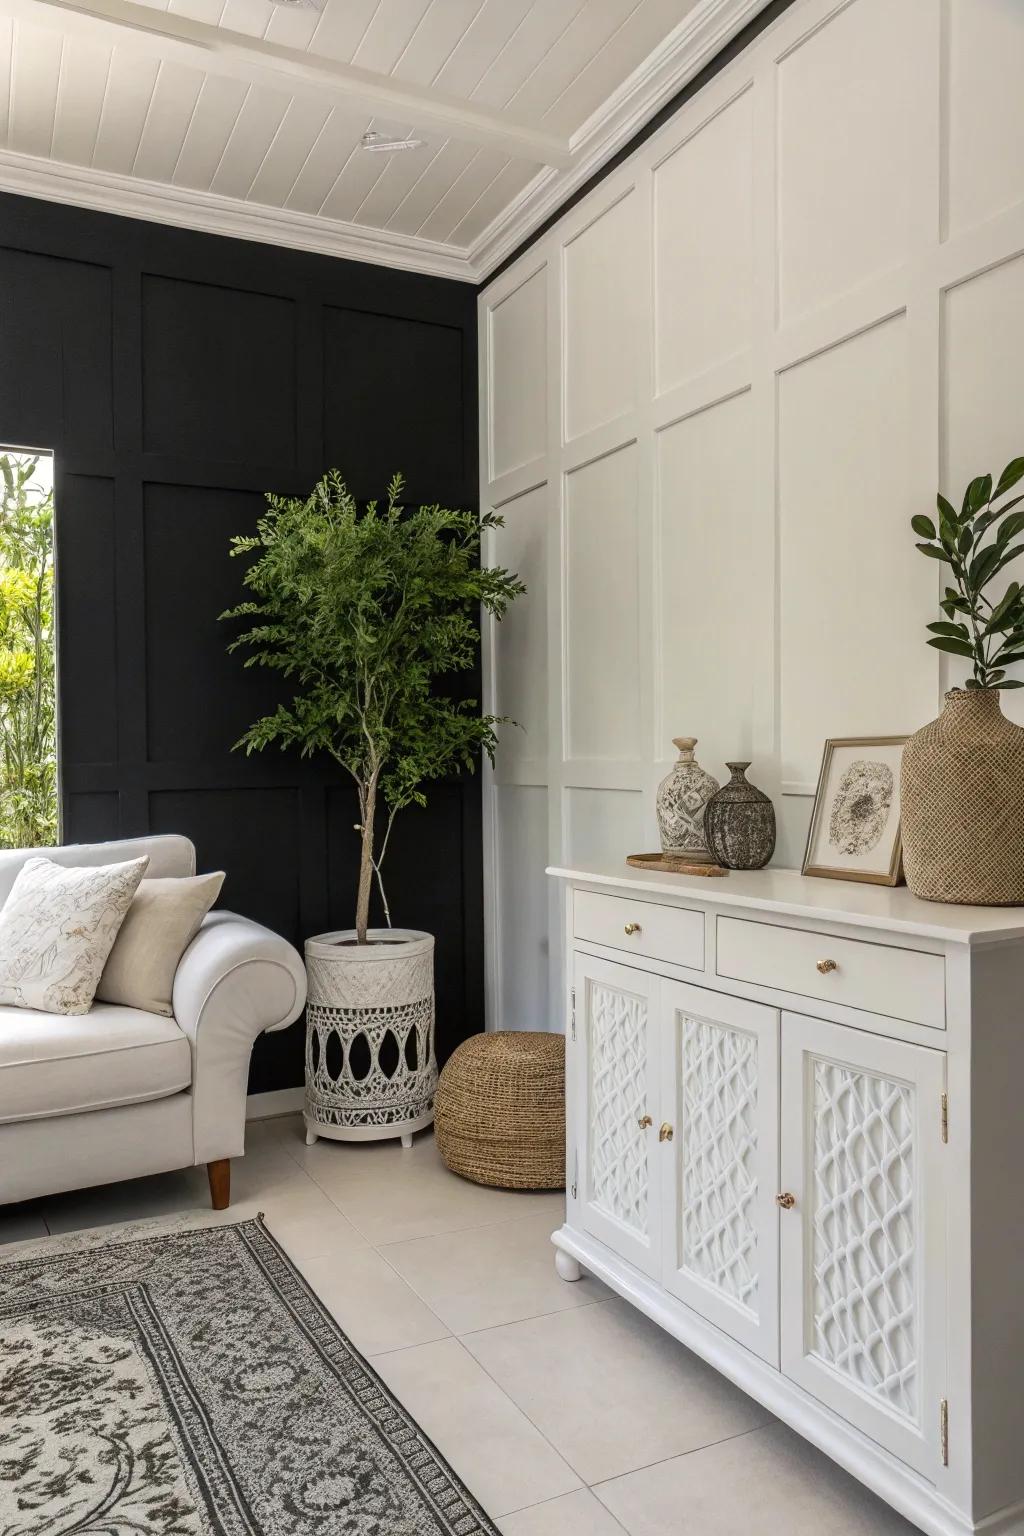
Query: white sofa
point(119, 1092)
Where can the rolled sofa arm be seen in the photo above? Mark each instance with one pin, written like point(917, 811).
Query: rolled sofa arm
point(235, 980)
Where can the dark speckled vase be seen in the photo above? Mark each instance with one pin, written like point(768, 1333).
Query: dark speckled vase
point(739, 823)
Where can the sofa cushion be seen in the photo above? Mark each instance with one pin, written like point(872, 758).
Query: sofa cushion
point(57, 1064)
point(162, 921)
point(57, 927)
point(168, 854)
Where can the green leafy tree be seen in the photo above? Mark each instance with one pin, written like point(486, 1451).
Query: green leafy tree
point(28, 755)
point(987, 631)
point(363, 611)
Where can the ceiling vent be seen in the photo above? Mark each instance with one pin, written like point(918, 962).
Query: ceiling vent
point(380, 144)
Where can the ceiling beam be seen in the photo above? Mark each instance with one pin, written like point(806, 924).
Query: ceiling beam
point(217, 51)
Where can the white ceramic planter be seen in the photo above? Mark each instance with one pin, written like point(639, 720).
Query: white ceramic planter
point(371, 1071)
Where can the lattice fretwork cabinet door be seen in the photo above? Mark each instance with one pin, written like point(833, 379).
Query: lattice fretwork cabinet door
point(721, 1228)
point(617, 1117)
point(863, 1270)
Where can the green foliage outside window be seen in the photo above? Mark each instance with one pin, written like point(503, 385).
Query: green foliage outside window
point(28, 749)
point(363, 611)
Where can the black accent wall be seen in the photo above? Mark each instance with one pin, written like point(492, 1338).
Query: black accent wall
point(177, 376)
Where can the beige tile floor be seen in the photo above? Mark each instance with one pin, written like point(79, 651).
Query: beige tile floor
point(564, 1411)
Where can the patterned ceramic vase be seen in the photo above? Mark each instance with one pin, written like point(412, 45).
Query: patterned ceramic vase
point(739, 823)
point(682, 797)
point(962, 804)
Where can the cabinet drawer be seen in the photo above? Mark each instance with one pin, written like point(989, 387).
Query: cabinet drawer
point(661, 933)
point(903, 983)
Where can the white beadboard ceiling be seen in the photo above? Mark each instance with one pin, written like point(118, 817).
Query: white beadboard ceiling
point(245, 118)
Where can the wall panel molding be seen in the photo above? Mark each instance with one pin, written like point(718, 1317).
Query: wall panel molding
point(177, 377)
point(835, 339)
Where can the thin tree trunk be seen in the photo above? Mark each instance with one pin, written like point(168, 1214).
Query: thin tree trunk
point(366, 861)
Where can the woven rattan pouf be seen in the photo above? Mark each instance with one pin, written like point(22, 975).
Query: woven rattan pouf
point(499, 1110)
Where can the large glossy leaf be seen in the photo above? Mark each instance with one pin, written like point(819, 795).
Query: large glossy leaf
point(1004, 608)
point(955, 647)
point(1010, 527)
point(946, 508)
point(1012, 682)
point(923, 526)
point(993, 515)
point(935, 551)
point(1013, 472)
point(977, 494)
point(958, 631)
point(1006, 557)
point(983, 565)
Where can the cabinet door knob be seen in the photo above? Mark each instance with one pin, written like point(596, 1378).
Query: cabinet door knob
point(787, 1201)
point(825, 966)
point(665, 1134)
point(644, 1122)
point(632, 928)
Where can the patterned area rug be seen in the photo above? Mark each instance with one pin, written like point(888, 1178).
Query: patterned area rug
point(190, 1383)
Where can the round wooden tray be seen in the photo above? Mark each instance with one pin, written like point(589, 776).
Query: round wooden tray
point(667, 863)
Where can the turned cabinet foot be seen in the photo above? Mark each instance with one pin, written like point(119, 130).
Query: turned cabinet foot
point(219, 1174)
point(566, 1265)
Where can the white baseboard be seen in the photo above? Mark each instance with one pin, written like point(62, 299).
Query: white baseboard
point(280, 1101)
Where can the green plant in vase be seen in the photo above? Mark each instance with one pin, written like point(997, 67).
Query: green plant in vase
point(977, 543)
point(962, 775)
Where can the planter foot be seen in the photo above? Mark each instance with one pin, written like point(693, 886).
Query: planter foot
point(311, 1137)
point(407, 1138)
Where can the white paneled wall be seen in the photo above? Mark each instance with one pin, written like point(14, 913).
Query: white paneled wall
point(712, 396)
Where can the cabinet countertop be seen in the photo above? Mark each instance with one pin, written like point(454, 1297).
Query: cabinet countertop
point(788, 892)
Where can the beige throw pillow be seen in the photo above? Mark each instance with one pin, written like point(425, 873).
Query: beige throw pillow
point(162, 921)
point(57, 928)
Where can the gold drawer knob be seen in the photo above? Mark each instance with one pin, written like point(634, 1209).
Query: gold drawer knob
point(631, 928)
point(787, 1201)
point(665, 1134)
point(644, 1122)
point(826, 966)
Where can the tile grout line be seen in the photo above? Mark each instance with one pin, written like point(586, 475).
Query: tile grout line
point(451, 1231)
point(429, 1237)
point(511, 1400)
point(586, 1488)
point(695, 1450)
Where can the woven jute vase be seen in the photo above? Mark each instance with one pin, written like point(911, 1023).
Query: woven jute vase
point(962, 791)
point(499, 1111)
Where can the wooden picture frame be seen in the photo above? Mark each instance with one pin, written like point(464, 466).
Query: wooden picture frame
point(859, 851)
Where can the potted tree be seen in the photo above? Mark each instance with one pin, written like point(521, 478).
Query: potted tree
point(362, 611)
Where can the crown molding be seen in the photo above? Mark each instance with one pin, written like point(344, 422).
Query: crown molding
point(671, 66)
point(161, 203)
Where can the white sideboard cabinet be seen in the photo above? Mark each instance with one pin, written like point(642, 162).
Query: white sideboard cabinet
point(795, 1140)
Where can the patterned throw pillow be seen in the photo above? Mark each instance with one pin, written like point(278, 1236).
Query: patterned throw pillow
point(57, 928)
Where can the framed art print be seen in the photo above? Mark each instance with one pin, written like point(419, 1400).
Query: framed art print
point(855, 826)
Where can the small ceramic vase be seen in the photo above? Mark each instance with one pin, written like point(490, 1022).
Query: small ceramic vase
point(739, 823)
point(682, 797)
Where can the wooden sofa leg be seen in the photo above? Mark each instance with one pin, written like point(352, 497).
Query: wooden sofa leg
point(220, 1183)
